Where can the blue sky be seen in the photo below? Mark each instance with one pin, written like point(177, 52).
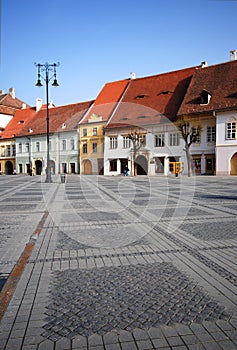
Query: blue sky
point(97, 41)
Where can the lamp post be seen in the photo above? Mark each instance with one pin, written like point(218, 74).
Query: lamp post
point(47, 68)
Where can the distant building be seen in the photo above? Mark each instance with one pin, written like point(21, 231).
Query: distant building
point(9, 106)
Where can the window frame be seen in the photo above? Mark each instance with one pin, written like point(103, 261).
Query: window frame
point(160, 140)
point(174, 139)
point(113, 142)
point(230, 133)
point(84, 148)
point(211, 134)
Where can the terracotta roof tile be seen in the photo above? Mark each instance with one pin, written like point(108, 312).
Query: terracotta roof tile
point(107, 100)
point(18, 122)
point(152, 99)
point(220, 81)
point(67, 116)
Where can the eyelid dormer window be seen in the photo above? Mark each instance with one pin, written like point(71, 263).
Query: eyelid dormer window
point(205, 97)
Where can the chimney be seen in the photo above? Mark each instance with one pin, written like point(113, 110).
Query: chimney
point(132, 76)
point(2, 92)
point(233, 55)
point(23, 106)
point(204, 64)
point(12, 92)
point(39, 103)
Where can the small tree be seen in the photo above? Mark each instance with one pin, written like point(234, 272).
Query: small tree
point(190, 135)
point(137, 143)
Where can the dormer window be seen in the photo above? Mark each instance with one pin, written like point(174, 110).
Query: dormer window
point(140, 96)
point(63, 125)
point(205, 97)
point(21, 122)
point(30, 130)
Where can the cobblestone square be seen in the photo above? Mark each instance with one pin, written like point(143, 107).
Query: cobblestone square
point(114, 262)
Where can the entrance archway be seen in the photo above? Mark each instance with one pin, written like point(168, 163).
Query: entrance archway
point(8, 168)
point(52, 166)
point(87, 167)
point(141, 165)
point(38, 167)
point(233, 165)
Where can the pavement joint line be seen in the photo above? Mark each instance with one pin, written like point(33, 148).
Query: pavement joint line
point(14, 277)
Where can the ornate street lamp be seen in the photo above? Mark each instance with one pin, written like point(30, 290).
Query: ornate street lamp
point(47, 68)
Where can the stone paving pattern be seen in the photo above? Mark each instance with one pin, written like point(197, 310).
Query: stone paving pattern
point(120, 263)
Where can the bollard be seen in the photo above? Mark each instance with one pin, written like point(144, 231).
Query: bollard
point(63, 177)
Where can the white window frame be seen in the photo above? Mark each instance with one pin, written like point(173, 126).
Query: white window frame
point(160, 140)
point(174, 139)
point(126, 142)
point(64, 145)
point(37, 146)
point(198, 138)
point(230, 130)
point(211, 134)
point(113, 142)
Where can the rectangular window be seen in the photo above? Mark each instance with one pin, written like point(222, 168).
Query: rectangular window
point(84, 148)
point(160, 140)
point(84, 132)
point(94, 147)
point(94, 132)
point(197, 132)
point(211, 134)
point(14, 150)
point(174, 139)
point(113, 165)
point(27, 147)
point(142, 140)
point(8, 151)
point(231, 130)
point(126, 142)
point(113, 142)
point(37, 146)
point(72, 143)
point(64, 145)
point(20, 147)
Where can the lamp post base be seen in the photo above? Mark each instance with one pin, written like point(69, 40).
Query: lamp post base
point(48, 180)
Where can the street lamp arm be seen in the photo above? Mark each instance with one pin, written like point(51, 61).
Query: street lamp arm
point(47, 68)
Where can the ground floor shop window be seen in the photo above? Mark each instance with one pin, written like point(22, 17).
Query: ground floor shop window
point(113, 165)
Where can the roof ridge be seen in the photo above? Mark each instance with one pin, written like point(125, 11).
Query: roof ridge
point(166, 73)
point(217, 64)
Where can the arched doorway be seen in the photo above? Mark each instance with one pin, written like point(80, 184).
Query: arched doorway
point(52, 166)
point(38, 167)
point(8, 168)
point(87, 167)
point(141, 165)
point(233, 165)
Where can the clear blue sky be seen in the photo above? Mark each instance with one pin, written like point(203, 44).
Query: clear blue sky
point(97, 41)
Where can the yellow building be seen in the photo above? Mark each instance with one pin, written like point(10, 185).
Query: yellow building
point(91, 127)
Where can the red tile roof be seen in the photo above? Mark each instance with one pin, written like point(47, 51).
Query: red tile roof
point(107, 100)
point(220, 81)
point(152, 99)
point(9, 105)
point(18, 122)
point(61, 119)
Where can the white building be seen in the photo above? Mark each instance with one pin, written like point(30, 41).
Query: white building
point(211, 101)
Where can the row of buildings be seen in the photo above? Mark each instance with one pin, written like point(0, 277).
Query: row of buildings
point(97, 136)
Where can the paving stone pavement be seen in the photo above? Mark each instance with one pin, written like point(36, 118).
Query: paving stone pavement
point(118, 263)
